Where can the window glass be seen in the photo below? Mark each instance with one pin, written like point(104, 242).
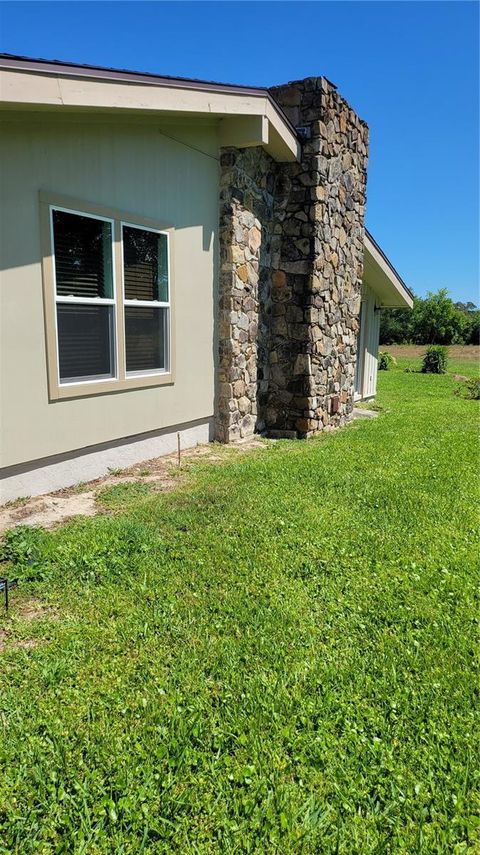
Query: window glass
point(85, 341)
point(83, 256)
point(145, 260)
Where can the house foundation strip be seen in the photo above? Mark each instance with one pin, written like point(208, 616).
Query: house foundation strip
point(57, 472)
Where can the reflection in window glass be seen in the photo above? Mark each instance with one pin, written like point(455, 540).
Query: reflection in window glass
point(145, 265)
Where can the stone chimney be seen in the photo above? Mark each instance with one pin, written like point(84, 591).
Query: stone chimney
point(291, 244)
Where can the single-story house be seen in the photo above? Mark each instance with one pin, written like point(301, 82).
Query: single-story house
point(178, 257)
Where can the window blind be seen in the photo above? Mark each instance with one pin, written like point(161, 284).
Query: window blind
point(145, 338)
point(83, 257)
point(85, 336)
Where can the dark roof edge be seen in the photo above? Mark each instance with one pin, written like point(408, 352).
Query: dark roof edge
point(389, 263)
point(57, 66)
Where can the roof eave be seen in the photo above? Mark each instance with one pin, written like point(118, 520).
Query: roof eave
point(381, 276)
point(38, 84)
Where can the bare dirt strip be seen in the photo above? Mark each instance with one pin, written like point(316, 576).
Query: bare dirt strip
point(162, 473)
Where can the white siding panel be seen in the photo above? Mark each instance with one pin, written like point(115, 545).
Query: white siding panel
point(360, 351)
point(367, 357)
point(372, 322)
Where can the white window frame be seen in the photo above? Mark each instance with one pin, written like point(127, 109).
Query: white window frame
point(156, 304)
point(92, 301)
point(121, 380)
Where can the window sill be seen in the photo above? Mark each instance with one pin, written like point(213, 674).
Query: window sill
point(106, 387)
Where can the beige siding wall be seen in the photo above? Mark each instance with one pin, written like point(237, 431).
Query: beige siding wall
point(134, 167)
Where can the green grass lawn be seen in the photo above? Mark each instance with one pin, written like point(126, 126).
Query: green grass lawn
point(279, 657)
point(462, 359)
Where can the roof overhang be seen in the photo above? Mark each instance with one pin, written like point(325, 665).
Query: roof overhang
point(247, 116)
point(380, 275)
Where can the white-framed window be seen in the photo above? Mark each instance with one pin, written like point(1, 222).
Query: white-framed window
point(82, 250)
point(146, 299)
point(108, 299)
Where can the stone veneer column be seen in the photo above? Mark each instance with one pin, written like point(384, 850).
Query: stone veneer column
point(247, 179)
point(291, 264)
point(316, 284)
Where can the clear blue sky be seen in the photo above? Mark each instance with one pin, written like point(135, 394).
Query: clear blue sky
point(410, 69)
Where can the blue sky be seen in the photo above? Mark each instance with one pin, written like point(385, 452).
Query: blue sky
point(410, 69)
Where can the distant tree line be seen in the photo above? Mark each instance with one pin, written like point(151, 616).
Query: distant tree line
point(434, 319)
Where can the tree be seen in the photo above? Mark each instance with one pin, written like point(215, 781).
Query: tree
point(472, 329)
point(434, 319)
point(465, 307)
point(395, 326)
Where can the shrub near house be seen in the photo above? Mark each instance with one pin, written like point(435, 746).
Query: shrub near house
point(435, 360)
point(385, 360)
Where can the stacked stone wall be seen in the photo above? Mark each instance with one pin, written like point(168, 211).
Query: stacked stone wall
point(291, 242)
point(247, 182)
point(316, 287)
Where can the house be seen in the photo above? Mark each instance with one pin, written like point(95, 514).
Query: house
point(178, 257)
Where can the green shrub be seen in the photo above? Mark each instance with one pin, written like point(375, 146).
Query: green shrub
point(385, 360)
point(470, 389)
point(435, 360)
